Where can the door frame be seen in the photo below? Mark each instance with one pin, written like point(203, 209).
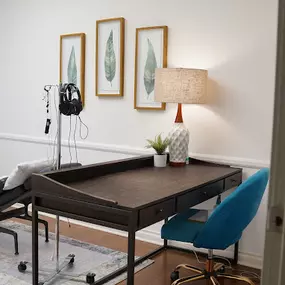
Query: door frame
point(274, 252)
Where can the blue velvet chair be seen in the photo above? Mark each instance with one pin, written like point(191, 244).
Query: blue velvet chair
point(223, 228)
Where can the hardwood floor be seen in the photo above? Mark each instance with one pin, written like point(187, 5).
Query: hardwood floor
point(156, 274)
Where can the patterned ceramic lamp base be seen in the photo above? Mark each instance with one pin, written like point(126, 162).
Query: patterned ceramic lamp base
point(179, 141)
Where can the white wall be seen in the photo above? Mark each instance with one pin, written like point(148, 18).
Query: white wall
point(235, 40)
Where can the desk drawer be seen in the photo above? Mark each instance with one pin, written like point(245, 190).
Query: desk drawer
point(198, 196)
point(156, 213)
point(233, 181)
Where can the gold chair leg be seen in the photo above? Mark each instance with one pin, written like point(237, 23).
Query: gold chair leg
point(214, 281)
point(218, 266)
point(235, 277)
point(189, 267)
point(188, 279)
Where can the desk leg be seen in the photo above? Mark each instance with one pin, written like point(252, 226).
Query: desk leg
point(35, 247)
point(131, 257)
point(165, 241)
point(235, 261)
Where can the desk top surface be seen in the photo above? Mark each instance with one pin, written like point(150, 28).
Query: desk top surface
point(142, 186)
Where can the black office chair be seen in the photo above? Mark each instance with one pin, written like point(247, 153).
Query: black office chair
point(21, 195)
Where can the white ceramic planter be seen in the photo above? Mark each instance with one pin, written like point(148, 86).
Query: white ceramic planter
point(160, 160)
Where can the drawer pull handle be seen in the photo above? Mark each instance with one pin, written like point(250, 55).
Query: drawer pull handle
point(233, 180)
point(159, 211)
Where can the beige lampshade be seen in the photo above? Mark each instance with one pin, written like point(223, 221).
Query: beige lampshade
point(180, 85)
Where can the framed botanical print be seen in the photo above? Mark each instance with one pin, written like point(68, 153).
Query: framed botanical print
point(72, 61)
point(110, 41)
point(150, 53)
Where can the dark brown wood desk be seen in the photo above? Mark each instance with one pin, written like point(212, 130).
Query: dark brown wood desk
point(128, 195)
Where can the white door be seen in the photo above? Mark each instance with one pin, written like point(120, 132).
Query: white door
point(274, 254)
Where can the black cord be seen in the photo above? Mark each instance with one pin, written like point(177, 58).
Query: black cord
point(47, 99)
point(74, 139)
point(69, 135)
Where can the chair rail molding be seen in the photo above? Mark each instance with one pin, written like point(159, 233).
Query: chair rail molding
point(125, 149)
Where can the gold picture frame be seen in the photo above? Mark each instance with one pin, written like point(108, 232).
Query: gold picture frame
point(110, 52)
point(72, 59)
point(155, 41)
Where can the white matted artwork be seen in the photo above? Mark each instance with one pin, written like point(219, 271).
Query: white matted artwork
point(151, 53)
point(72, 61)
point(110, 57)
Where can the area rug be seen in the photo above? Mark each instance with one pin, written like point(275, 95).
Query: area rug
point(88, 258)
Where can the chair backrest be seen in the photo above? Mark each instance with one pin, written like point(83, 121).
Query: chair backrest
point(226, 224)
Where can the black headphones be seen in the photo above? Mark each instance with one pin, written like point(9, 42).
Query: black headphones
point(70, 106)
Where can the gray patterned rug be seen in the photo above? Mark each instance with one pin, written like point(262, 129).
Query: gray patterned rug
point(88, 258)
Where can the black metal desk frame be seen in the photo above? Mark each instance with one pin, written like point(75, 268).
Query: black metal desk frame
point(232, 180)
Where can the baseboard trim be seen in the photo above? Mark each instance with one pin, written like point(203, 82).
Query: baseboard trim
point(150, 236)
point(129, 150)
point(246, 259)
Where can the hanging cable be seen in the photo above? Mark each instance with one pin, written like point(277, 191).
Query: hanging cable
point(54, 159)
point(47, 99)
point(244, 273)
point(80, 129)
point(69, 137)
point(74, 139)
point(197, 258)
point(224, 258)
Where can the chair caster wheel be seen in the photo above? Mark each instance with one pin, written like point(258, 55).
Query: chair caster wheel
point(72, 256)
point(90, 278)
point(22, 267)
point(174, 276)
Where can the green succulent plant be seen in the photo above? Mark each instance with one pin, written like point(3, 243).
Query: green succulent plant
point(158, 144)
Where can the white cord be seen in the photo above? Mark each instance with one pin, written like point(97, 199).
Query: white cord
point(224, 258)
point(197, 258)
point(55, 102)
point(243, 273)
point(246, 273)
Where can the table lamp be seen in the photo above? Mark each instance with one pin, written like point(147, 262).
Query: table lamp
point(182, 86)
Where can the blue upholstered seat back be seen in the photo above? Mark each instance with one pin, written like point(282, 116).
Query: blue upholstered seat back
point(226, 224)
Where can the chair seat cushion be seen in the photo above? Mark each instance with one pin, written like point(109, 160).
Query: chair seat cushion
point(8, 196)
point(180, 228)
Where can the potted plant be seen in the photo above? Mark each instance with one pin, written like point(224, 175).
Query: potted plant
point(159, 145)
